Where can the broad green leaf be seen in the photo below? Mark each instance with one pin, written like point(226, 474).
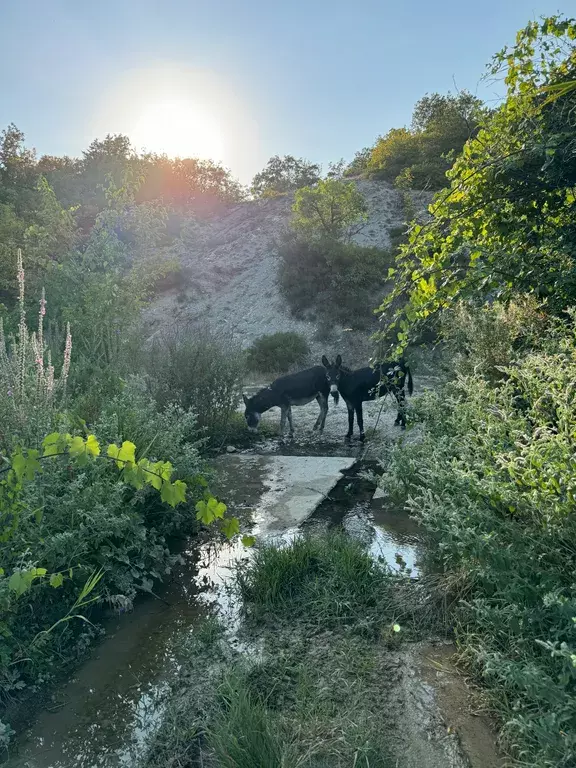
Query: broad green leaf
point(248, 541)
point(92, 446)
point(51, 444)
point(56, 580)
point(18, 584)
point(204, 513)
point(230, 527)
point(77, 447)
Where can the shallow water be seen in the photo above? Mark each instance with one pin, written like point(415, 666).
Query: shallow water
point(106, 715)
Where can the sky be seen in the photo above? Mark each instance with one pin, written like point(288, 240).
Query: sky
point(242, 80)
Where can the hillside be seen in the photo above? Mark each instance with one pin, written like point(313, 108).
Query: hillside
point(232, 271)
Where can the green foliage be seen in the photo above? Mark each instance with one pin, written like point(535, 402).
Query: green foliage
point(323, 581)
point(91, 520)
point(338, 280)
point(332, 209)
point(199, 370)
point(277, 352)
point(284, 174)
point(493, 479)
point(421, 155)
point(483, 340)
point(246, 734)
point(506, 224)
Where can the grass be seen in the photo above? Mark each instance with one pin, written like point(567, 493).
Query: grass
point(325, 692)
point(245, 733)
point(324, 581)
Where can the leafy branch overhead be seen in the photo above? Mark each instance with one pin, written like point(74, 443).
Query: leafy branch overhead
point(506, 225)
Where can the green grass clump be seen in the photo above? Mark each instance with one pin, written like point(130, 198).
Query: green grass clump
point(245, 733)
point(326, 580)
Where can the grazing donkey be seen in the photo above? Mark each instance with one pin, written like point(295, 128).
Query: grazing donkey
point(295, 389)
point(366, 384)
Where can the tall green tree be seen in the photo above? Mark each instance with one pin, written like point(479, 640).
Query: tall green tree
point(421, 155)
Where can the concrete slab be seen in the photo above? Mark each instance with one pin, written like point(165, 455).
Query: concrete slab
point(276, 493)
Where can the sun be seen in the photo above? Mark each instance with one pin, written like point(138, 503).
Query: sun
point(178, 129)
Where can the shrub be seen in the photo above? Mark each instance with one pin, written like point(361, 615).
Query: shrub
point(340, 280)
point(332, 208)
point(493, 479)
point(198, 370)
point(277, 352)
point(485, 339)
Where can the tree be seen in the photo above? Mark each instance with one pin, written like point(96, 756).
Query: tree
point(17, 171)
point(507, 223)
point(285, 174)
point(334, 209)
point(393, 152)
point(188, 183)
point(422, 154)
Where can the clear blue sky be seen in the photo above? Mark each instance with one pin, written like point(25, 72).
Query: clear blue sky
point(314, 78)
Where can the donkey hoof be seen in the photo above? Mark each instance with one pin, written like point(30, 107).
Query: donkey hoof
point(362, 437)
point(403, 426)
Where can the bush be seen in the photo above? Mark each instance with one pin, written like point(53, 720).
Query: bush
point(198, 370)
point(277, 352)
point(493, 480)
point(485, 339)
point(340, 280)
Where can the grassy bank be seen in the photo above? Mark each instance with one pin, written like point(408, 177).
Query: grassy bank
point(324, 688)
point(492, 479)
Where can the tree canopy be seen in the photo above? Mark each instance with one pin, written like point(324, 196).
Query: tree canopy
point(285, 174)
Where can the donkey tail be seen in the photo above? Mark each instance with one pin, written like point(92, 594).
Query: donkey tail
point(410, 382)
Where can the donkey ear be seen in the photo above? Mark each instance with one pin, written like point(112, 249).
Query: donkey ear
point(339, 361)
point(245, 399)
point(325, 362)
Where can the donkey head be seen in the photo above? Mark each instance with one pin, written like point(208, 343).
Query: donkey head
point(251, 415)
point(333, 372)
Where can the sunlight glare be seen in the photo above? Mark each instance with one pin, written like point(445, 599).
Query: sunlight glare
point(178, 129)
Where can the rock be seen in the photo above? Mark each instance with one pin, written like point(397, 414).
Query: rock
point(231, 449)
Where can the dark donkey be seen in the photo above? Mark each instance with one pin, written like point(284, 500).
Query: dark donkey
point(366, 384)
point(295, 389)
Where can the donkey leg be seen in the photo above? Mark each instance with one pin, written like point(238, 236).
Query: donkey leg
point(401, 400)
point(290, 421)
point(323, 401)
point(360, 420)
point(283, 413)
point(350, 421)
point(319, 419)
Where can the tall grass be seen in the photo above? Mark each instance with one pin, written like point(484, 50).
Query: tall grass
point(245, 734)
point(324, 581)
